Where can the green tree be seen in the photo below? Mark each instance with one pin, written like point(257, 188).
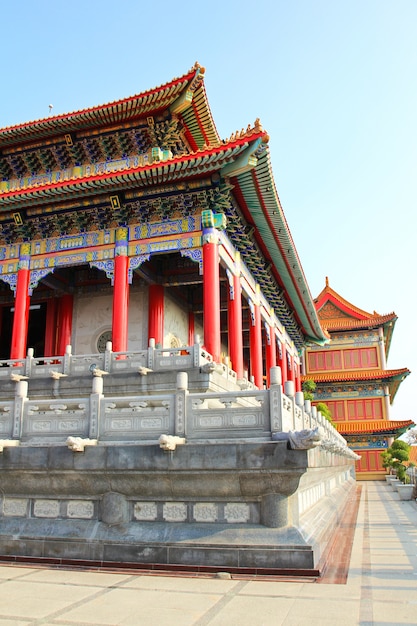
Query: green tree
point(309, 387)
point(395, 456)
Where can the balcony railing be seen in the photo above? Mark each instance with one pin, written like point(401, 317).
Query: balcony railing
point(240, 415)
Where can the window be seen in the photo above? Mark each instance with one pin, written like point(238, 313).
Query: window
point(360, 358)
point(370, 461)
point(369, 408)
point(324, 360)
point(337, 409)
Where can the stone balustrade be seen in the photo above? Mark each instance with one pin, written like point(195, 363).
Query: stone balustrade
point(221, 416)
point(143, 361)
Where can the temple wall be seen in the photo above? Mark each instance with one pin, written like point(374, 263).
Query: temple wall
point(176, 324)
point(93, 315)
point(138, 319)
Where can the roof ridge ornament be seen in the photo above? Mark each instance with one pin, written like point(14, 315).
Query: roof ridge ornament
point(256, 129)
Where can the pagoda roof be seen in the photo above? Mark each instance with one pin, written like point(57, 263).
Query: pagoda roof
point(176, 95)
point(393, 378)
point(413, 455)
point(388, 427)
point(357, 375)
point(337, 314)
point(257, 226)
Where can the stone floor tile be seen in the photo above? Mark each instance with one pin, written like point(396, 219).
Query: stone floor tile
point(339, 592)
point(274, 588)
point(395, 613)
point(334, 609)
point(7, 572)
point(30, 600)
point(243, 611)
point(130, 607)
point(79, 577)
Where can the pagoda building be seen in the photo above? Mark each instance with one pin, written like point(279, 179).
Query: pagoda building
point(153, 315)
point(353, 380)
point(133, 221)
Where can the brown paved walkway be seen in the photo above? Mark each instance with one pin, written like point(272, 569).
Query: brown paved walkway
point(381, 586)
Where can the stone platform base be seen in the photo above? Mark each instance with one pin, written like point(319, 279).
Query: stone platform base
point(229, 506)
point(194, 546)
point(197, 545)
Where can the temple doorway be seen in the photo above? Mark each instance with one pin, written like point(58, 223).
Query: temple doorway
point(36, 329)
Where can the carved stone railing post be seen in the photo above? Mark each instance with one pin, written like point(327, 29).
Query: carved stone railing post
point(289, 390)
point(108, 354)
point(196, 352)
point(181, 404)
point(67, 360)
point(307, 414)
point(299, 401)
point(29, 362)
point(20, 402)
point(275, 399)
point(313, 418)
point(151, 354)
point(320, 420)
point(96, 402)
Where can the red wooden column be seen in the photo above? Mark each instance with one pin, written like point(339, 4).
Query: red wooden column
point(235, 320)
point(211, 292)
point(282, 362)
point(271, 349)
point(255, 340)
point(65, 322)
point(120, 292)
point(156, 314)
point(191, 328)
point(21, 307)
point(297, 377)
point(291, 373)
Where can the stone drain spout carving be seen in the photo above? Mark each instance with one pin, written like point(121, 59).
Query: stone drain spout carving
point(77, 444)
point(300, 440)
point(170, 442)
point(8, 443)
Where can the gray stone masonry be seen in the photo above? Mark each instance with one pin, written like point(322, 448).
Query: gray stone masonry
point(83, 475)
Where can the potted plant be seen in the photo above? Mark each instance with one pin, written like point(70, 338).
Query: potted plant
point(394, 458)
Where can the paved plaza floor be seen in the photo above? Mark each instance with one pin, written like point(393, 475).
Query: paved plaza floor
point(380, 588)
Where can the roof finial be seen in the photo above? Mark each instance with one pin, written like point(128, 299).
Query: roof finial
point(258, 125)
point(327, 281)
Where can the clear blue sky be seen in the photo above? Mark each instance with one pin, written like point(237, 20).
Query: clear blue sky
point(333, 82)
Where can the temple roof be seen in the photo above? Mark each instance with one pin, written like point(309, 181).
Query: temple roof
point(392, 378)
point(175, 95)
point(337, 314)
point(388, 427)
point(255, 220)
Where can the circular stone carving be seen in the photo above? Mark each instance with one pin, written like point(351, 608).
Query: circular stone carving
point(102, 340)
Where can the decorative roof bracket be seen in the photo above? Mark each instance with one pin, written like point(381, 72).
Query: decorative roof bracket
point(245, 162)
point(182, 103)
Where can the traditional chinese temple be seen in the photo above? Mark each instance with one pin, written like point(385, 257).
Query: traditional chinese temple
point(353, 380)
point(153, 315)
